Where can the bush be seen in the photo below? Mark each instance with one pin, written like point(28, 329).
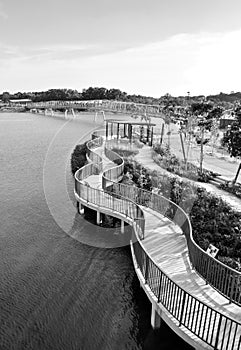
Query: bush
point(165, 159)
point(234, 189)
point(78, 157)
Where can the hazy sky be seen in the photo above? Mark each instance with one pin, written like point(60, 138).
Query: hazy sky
point(147, 47)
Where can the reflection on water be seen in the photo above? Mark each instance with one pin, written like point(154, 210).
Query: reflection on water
point(57, 292)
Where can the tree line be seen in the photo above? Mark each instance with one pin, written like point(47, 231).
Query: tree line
point(92, 93)
point(101, 93)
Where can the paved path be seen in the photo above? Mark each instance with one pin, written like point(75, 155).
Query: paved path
point(145, 158)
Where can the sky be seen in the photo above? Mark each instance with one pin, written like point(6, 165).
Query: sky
point(142, 47)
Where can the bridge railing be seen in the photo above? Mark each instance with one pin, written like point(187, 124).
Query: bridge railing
point(100, 197)
point(212, 327)
point(220, 276)
point(109, 105)
point(114, 174)
point(209, 325)
point(92, 156)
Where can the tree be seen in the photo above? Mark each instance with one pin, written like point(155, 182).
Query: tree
point(204, 120)
point(168, 112)
point(232, 140)
point(6, 97)
point(78, 157)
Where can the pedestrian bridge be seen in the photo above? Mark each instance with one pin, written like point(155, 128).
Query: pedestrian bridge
point(195, 294)
point(99, 105)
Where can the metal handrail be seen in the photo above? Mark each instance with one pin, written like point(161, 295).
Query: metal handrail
point(115, 173)
point(211, 326)
point(100, 197)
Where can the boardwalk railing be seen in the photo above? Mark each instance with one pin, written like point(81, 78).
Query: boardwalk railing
point(209, 325)
point(92, 156)
point(101, 198)
point(114, 174)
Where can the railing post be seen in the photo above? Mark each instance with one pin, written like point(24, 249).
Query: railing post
point(87, 194)
point(182, 308)
point(218, 330)
point(208, 268)
point(146, 269)
point(232, 288)
point(159, 290)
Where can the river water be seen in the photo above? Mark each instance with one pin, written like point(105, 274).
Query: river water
point(62, 284)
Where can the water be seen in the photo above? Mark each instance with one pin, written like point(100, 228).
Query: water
point(56, 291)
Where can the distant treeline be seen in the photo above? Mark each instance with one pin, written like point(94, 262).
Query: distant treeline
point(92, 93)
point(101, 93)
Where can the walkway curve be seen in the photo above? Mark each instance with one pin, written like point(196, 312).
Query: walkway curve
point(209, 328)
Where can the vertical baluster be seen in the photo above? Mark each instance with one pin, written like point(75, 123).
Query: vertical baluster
point(182, 308)
point(218, 332)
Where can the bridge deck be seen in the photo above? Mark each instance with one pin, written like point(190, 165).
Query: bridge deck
point(166, 245)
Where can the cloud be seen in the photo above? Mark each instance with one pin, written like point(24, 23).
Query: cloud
point(201, 63)
point(3, 13)
point(60, 53)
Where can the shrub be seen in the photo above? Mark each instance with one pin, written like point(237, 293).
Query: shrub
point(78, 157)
point(165, 159)
point(234, 189)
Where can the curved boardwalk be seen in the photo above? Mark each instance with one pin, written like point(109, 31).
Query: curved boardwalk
point(193, 309)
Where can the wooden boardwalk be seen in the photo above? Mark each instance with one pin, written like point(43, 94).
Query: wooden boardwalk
point(166, 246)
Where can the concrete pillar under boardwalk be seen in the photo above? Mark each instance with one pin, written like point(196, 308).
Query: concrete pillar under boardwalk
point(122, 226)
point(80, 208)
point(155, 317)
point(98, 217)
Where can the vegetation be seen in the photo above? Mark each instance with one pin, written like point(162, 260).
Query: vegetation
point(232, 139)
point(92, 93)
point(222, 97)
point(100, 93)
point(205, 115)
point(135, 173)
point(213, 221)
point(234, 189)
point(164, 158)
point(78, 157)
